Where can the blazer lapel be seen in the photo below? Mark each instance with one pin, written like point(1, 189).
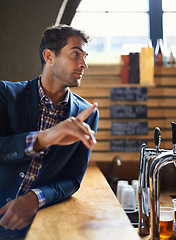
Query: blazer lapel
point(74, 105)
point(32, 104)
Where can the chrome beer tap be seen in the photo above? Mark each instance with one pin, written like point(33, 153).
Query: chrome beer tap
point(160, 161)
point(146, 155)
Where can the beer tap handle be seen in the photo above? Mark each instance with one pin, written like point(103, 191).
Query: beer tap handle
point(173, 132)
point(157, 138)
point(174, 137)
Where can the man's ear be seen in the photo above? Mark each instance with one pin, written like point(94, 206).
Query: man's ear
point(48, 55)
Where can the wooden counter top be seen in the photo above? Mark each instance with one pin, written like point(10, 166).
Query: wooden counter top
point(93, 213)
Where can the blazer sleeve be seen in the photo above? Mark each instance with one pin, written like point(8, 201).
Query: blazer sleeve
point(73, 173)
point(11, 145)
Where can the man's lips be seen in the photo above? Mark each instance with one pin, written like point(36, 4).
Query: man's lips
point(79, 74)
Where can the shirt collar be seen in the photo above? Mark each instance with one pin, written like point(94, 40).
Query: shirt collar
point(43, 97)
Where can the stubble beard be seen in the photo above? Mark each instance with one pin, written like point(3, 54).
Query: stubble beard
point(73, 83)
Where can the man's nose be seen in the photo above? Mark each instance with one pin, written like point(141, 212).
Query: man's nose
point(83, 64)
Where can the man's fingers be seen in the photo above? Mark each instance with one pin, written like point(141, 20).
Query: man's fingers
point(83, 132)
point(85, 113)
point(20, 224)
point(4, 208)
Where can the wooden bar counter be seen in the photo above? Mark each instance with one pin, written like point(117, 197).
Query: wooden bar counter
point(93, 213)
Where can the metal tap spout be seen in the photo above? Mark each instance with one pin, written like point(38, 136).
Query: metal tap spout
point(146, 155)
point(158, 163)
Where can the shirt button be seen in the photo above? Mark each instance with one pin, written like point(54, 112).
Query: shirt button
point(21, 174)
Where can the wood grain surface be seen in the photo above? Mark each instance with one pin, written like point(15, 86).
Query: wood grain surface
point(93, 213)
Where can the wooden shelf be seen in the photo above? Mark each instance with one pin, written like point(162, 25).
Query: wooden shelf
point(161, 107)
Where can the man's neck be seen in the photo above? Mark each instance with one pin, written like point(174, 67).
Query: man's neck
point(56, 93)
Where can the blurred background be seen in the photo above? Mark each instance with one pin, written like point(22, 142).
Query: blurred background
point(115, 26)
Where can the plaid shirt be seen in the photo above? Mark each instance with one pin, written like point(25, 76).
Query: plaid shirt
point(48, 117)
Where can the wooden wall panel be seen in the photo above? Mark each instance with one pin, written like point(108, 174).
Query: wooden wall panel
point(161, 108)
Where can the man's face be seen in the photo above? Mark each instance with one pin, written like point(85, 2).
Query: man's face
point(68, 67)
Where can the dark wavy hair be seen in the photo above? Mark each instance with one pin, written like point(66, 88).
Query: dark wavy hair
point(55, 38)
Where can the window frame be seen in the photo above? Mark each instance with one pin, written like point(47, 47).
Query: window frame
point(155, 15)
point(155, 21)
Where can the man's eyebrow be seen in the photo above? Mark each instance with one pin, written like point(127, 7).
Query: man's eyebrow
point(80, 49)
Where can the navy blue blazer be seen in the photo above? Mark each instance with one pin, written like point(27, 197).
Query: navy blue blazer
point(63, 167)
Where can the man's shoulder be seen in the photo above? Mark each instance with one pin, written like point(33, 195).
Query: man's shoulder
point(82, 102)
point(11, 86)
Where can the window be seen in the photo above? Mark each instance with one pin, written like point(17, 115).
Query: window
point(116, 27)
point(169, 29)
point(119, 27)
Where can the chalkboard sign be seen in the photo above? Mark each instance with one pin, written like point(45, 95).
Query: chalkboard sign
point(128, 111)
point(129, 128)
point(129, 94)
point(126, 145)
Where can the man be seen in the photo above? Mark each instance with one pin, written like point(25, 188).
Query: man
point(44, 142)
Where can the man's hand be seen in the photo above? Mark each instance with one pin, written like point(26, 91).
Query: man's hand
point(20, 212)
point(67, 132)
